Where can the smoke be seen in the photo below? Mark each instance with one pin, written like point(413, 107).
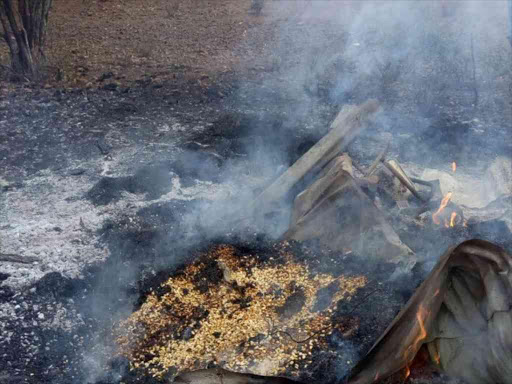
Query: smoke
point(435, 67)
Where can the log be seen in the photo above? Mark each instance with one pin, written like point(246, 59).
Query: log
point(380, 157)
point(12, 258)
point(399, 173)
point(349, 122)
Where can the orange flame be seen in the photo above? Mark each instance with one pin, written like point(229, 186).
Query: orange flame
point(415, 346)
point(423, 332)
point(437, 358)
point(443, 205)
point(452, 219)
point(454, 166)
point(407, 373)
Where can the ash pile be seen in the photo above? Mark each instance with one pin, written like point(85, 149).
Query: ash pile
point(353, 291)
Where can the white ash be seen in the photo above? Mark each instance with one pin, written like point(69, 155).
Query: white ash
point(49, 219)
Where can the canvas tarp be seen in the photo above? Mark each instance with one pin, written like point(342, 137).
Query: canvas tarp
point(462, 312)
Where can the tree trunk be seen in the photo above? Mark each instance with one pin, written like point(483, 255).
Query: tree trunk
point(510, 22)
point(24, 26)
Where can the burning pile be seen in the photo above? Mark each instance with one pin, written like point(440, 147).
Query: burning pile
point(276, 313)
point(240, 313)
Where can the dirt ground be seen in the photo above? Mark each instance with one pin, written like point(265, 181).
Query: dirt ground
point(134, 39)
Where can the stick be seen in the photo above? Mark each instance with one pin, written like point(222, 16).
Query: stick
point(349, 122)
point(12, 258)
point(399, 173)
point(475, 84)
point(380, 157)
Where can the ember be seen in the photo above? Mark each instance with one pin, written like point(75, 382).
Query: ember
point(436, 358)
point(444, 203)
point(407, 372)
point(452, 219)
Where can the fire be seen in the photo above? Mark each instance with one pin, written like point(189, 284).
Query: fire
point(454, 166)
point(407, 372)
point(443, 205)
point(415, 346)
point(423, 332)
point(437, 358)
point(452, 219)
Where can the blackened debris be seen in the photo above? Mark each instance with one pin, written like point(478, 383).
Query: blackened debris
point(154, 181)
point(5, 294)
point(191, 166)
point(293, 304)
point(4, 276)
point(55, 284)
point(107, 190)
point(324, 297)
point(209, 276)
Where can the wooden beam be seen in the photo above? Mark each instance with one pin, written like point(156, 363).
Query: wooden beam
point(349, 122)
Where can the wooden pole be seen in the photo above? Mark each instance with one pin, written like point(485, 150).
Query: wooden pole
point(349, 122)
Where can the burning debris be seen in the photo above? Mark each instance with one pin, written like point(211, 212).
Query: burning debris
point(288, 312)
point(265, 314)
point(461, 312)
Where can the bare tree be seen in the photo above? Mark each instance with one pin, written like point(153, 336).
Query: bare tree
point(510, 21)
point(24, 25)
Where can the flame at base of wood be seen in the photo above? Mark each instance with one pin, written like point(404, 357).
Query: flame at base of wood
point(238, 313)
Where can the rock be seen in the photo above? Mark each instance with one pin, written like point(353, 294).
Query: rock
point(77, 172)
point(110, 87)
point(106, 76)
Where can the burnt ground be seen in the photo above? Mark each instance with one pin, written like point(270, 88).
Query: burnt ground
point(106, 189)
point(58, 325)
point(57, 311)
point(123, 146)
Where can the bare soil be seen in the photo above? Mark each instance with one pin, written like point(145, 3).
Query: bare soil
point(127, 40)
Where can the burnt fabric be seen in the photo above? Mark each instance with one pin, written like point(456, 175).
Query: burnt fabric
point(462, 312)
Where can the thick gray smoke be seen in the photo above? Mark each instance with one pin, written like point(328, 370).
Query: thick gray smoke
point(427, 62)
point(441, 70)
